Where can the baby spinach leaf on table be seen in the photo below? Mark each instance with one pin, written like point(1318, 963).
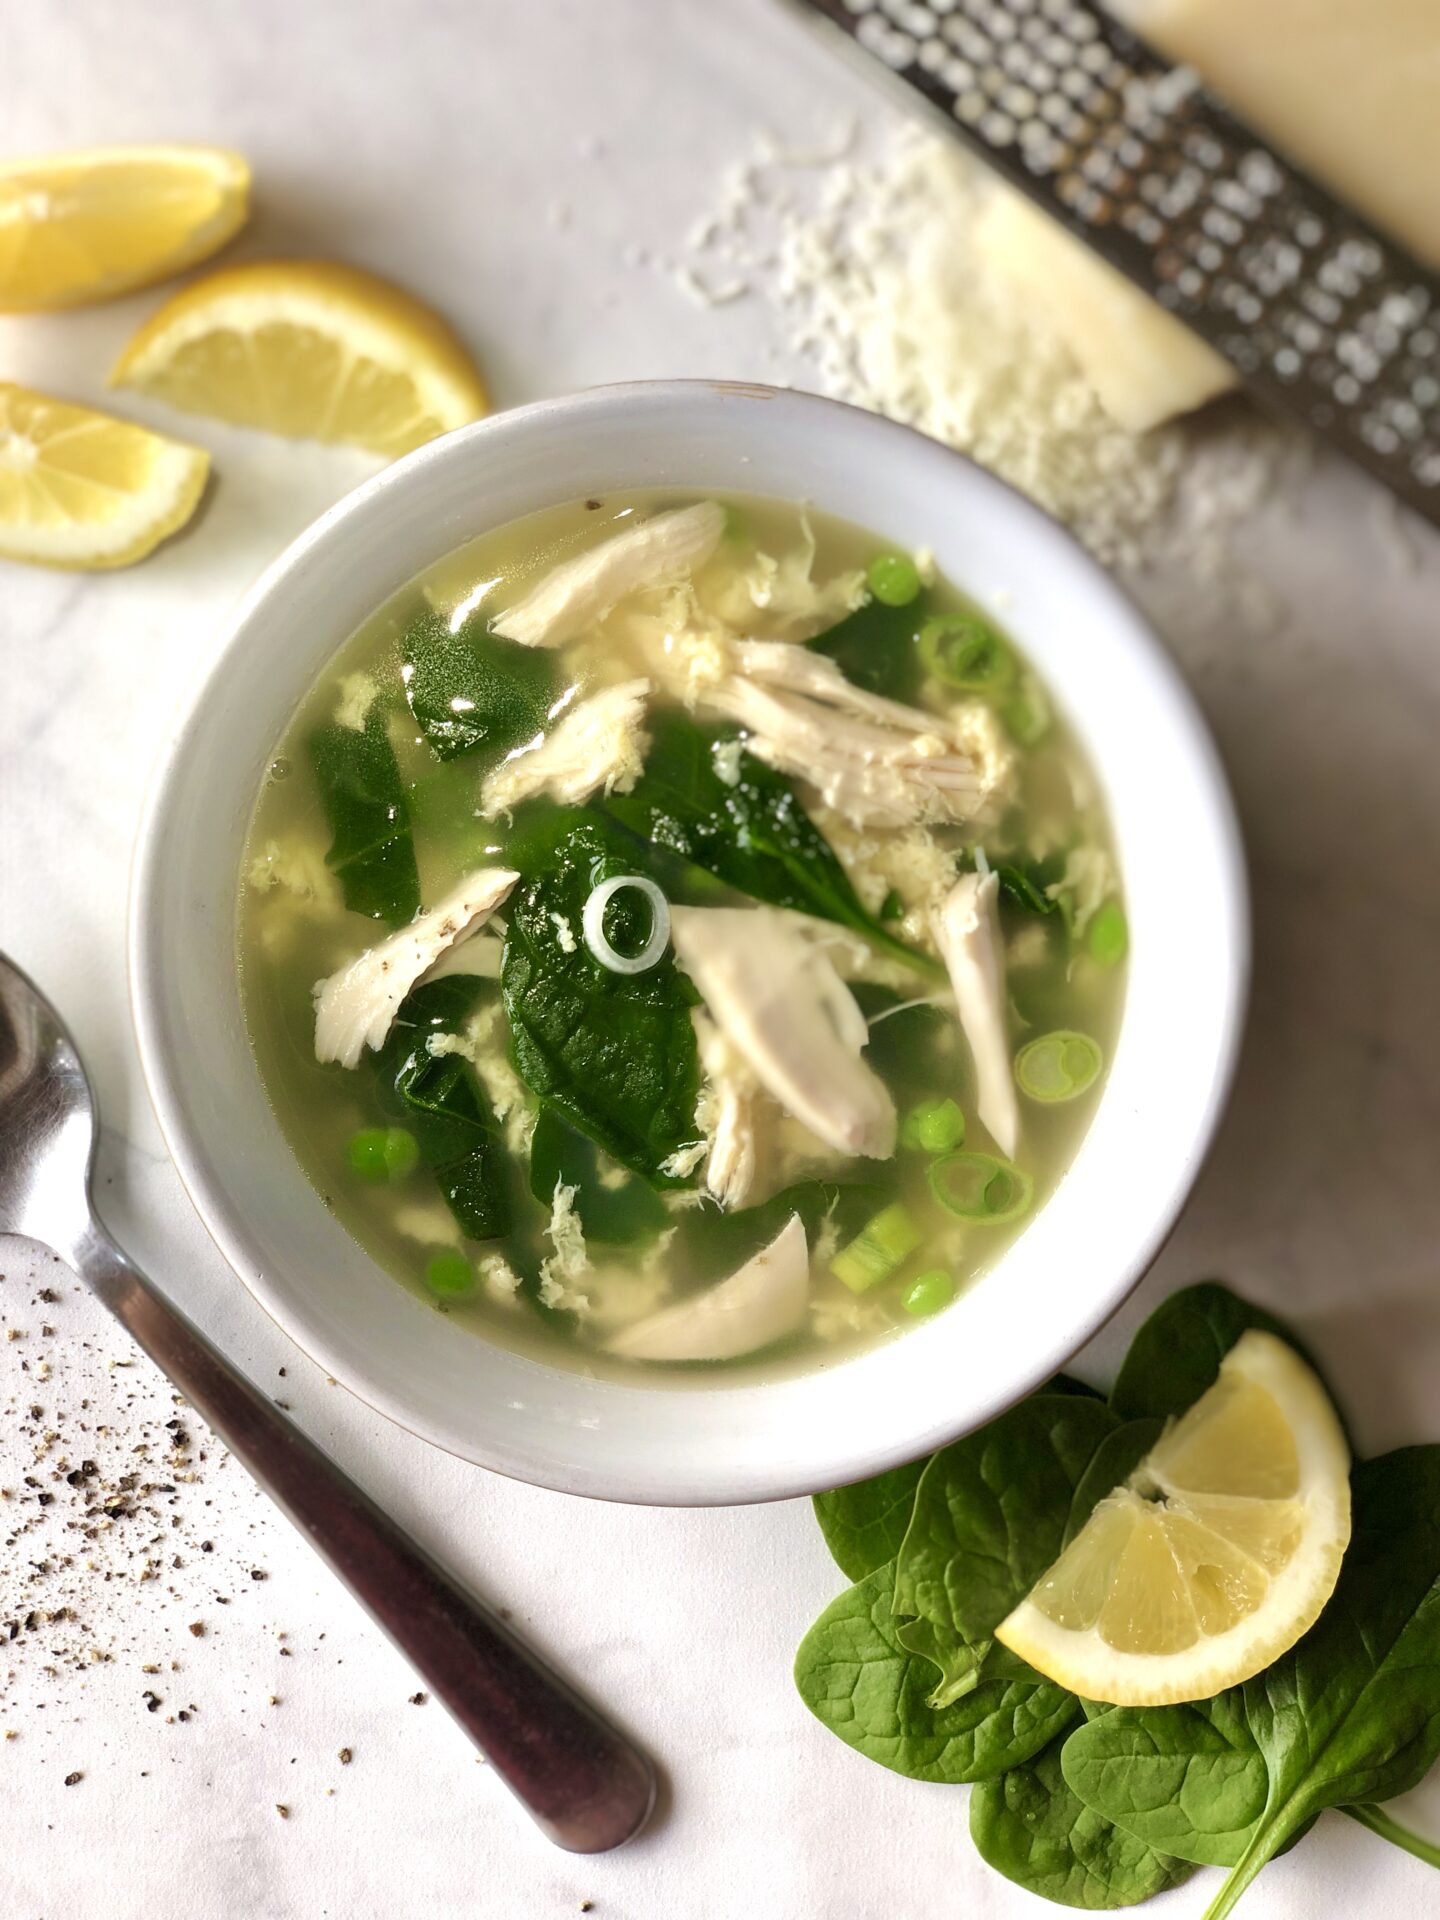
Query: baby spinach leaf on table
point(1187, 1779)
point(860, 1682)
point(1030, 1826)
point(372, 853)
point(992, 1512)
point(1379, 1822)
point(1351, 1714)
point(611, 1212)
point(877, 648)
point(439, 1100)
point(473, 690)
point(864, 1524)
point(751, 833)
point(613, 1053)
point(1116, 1458)
point(1176, 1354)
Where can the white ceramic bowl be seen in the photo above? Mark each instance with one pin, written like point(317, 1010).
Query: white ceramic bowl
point(1185, 897)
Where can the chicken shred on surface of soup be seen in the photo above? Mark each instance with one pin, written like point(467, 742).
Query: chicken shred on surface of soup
point(681, 931)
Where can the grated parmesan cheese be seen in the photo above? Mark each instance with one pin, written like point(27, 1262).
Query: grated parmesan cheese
point(878, 280)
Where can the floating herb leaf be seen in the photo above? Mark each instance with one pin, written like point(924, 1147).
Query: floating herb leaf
point(440, 1102)
point(473, 690)
point(878, 647)
point(371, 850)
point(613, 1210)
point(750, 831)
point(613, 1053)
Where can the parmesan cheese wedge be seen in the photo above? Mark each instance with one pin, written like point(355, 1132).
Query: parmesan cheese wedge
point(1144, 365)
point(1348, 88)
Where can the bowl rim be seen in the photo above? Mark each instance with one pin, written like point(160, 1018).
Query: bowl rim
point(228, 1231)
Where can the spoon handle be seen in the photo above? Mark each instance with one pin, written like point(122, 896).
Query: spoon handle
point(587, 1787)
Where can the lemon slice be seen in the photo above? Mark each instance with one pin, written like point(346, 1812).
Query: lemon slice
point(83, 489)
point(76, 227)
point(309, 349)
point(1216, 1554)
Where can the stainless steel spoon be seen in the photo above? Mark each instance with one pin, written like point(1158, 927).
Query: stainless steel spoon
point(585, 1784)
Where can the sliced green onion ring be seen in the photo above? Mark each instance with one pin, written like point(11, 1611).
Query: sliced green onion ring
point(982, 1189)
point(1058, 1066)
point(592, 923)
point(965, 651)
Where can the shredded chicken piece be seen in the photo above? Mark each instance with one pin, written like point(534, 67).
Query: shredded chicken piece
point(797, 670)
point(598, 743)
point(355, 1007)
point(776, 997)
point(782, 592)
point(358, 693)
point(581, 591)
point(478, 954)
point(760, 1303)
point(967, 932)
point(876, 775)
point(726, 1115)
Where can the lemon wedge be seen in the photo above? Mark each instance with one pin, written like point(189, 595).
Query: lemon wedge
point(310, 349)
point(1214, 1556)
point(83, 489)
point(77, 227)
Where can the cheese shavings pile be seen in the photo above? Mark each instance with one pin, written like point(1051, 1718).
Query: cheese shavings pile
point(873, 272)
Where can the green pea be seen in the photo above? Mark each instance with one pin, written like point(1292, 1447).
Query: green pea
point(935, 1126)
point(894, 579)
point(928, 1293)
point(1109, 938)
point(379, 1154)
point(449, 1275)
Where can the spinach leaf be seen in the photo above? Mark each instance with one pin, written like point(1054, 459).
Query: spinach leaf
point(1187, 1779)
point(439, 1100)
point(878, 648)
point(1380, 1822)
point(992, 1512)
point(613, 1053)
point(911, 1045)
point(472, 690)
point(1176, 1354)
point(751, 832)
point(859, 1681)
point(1031, 1827)
point(1351, 1715)
point(613, 1213)
point(371, 852)
point(864, 1524)
point(1024, 886)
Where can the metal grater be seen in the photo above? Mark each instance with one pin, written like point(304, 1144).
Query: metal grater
point(1320, 316)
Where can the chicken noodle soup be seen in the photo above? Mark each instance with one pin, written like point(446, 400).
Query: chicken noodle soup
point(682, 931)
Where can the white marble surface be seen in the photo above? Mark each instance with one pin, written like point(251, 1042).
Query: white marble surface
point(434, 142)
